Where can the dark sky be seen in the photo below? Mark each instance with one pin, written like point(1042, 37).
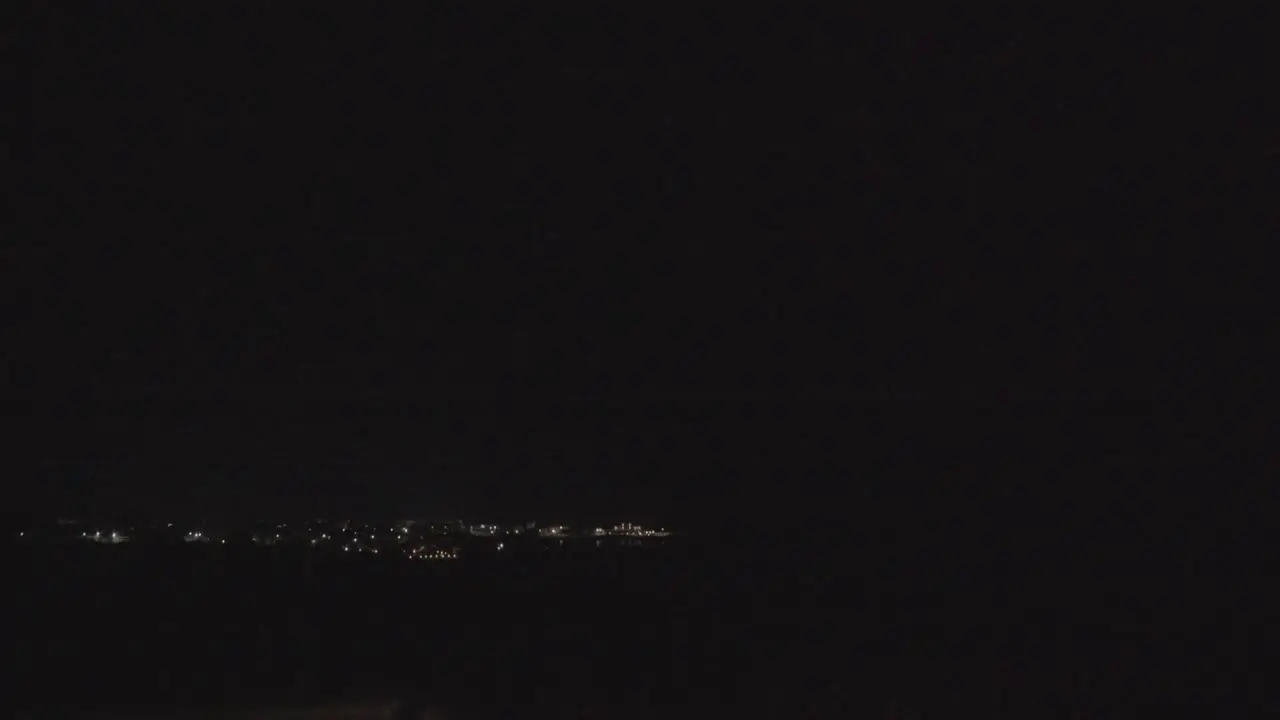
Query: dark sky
point(664, 268)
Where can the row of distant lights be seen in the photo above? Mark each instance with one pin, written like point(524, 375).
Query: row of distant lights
point(421, 554)
point(197, 536)
point(632, 530)
point(99, 537)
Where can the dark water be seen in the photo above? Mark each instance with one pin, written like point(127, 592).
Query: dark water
point(820, 625)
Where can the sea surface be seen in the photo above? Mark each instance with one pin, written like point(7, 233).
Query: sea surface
point(824, 624)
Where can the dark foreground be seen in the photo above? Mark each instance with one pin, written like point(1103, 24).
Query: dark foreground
point(780, 627)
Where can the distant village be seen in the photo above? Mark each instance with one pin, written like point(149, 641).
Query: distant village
point(412, 539)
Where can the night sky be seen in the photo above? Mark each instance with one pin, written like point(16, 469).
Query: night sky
point(715, 268)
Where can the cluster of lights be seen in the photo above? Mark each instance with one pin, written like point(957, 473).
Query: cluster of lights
point(433, 554)
point(632, 530)
point(99, 536)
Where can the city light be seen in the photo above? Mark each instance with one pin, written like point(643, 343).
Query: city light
point(427, 541)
